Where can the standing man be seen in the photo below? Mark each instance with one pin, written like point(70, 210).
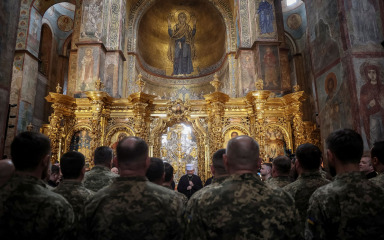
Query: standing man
point(28, 209)
point(281, 168)
point(366, 166)
point(308, 161)
point(377, 153)
point(189, 183)
point(132, 206)
point(266, 171)
point(73, 169)
point(100, 175)
point(242, 207)
point(350, 207)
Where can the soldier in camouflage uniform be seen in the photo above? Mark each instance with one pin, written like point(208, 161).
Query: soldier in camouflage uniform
point(281, 167)
point(156, 174)
point(73, 169)
point(242, 206)
point(132, 207)
point(350, 207)
point(100, 175)
point(308, 160)
point(27, 208)
point(377, 154)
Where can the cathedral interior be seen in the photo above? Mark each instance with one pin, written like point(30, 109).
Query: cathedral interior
point(187, 75)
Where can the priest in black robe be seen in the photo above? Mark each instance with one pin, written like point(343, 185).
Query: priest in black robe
point(189, 183)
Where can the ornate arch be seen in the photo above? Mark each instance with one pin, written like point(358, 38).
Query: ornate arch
point(235, 127)
point(70, 133)
point(284, 131)
point(115, 129)
point(137, 11)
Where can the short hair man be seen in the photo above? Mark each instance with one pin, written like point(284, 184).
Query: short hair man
point(100, 175)
point(6, 170)
point(308, 161)
point(281, 168)
point(156, 174)
point(377, 154)
point(266, 171)
point(241, 207)
point(366, 166)
point(73, 170)
point(351, 206)
point(217, 168)
point(132, 206)
point(27, 208)
point(168, 176)
point(115, 170)
point(190, 182)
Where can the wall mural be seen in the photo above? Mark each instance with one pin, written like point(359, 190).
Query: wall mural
point(81, 142)
point(88, 69)
point(370, 89)
point(34, 32)
point(265, 20)
point(181, 50)
point(270, 67)
point(25, 116)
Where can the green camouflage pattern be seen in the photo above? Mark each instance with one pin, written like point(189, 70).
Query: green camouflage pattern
point(350, 207)
point(378, 180)
point(135, 208)
point(278, 182)
point(77, 195)
point(98, 177)
point(241, 207)
point(28, 209)
point(301, 190)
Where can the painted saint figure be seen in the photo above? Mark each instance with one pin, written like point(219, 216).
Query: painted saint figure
point(87, 70)
point(181, 47)
point(270, 65)
point(266, 17)
point(371, 104)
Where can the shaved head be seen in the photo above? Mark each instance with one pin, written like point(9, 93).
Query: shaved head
point(242, 154)
point(132, 152)
point(6, 170)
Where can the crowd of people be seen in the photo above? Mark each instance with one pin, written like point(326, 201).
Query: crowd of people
point(245, 198)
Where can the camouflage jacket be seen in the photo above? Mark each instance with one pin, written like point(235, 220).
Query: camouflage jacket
point(278, 182)
point(76, 194)
point(242, 207)
point(350, 207)
point(29, 210)
point(378, 180)
point(98, 177)
point(135, 207)
point(302, 189)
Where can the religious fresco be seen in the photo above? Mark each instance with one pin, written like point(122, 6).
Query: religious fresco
point(364, 23)
point(173, 40)
point(274, 144)
point(181, 50)
point(25, 116)
point(116, 138)
point(30, 71)
point(232, 133)
point(265, 20)
point(92, 21)
point(270, 67)
point(81, 142)
point(295, 21)
point(65, 23)
point(334, 97)
point(87, 69)
point(246, 68)
point(370, 92)
point(34, 32)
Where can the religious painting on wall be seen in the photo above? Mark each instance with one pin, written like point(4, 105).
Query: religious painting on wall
point(247, 72)
point(364, 24)
point(325, 49)
point(81, 142)
point(65, 23)
point(265, 20)
point(274, 144)
point(87, 65)
point(181, 50)
point(34, 32)
point(270, 67)
point(116, 138)
point(232, 133)
point(370, 88)
point(25, 116)
point(92, 19)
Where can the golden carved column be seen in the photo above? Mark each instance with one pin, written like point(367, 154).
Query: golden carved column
point(100, 101)
point(295, 108)
point(141, 108)
point(257, 100)
point(216, 107)
point(63, 107)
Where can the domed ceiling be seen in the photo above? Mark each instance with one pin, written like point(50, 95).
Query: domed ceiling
point(185, 50)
